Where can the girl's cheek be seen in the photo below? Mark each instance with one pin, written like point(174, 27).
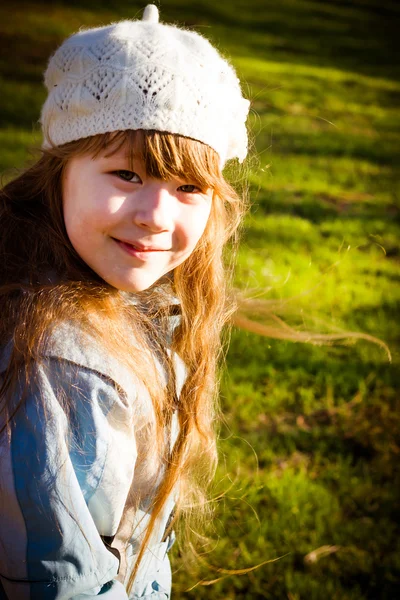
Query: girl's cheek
point(114, 204)
point(205, 216)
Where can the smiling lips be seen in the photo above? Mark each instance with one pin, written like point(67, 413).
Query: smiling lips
point(137, 249)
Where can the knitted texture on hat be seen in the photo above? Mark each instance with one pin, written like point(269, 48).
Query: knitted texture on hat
point(144, 75)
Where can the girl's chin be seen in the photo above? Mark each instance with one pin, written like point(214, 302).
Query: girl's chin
point(135, 286)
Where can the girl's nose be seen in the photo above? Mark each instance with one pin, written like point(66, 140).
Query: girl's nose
point(155, 208)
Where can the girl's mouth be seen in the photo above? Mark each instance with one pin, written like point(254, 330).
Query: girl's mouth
point(140, 252)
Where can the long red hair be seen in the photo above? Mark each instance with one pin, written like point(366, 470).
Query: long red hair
point(34, 242)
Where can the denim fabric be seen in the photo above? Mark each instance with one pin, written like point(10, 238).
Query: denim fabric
point(64, 482)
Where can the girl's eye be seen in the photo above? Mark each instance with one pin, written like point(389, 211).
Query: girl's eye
point(189, 189)
point(128, 176)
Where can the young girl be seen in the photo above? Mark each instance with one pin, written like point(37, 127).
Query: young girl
point(112, 300)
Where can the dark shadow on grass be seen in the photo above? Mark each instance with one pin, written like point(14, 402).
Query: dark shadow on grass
point(334, 144)
point(341, 35)
point(319, 208)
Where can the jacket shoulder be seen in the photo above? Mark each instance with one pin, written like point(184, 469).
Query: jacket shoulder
point(69, 342)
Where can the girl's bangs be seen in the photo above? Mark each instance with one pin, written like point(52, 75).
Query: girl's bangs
point(165, 155)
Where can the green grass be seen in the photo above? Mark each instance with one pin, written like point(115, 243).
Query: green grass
point(309, 442)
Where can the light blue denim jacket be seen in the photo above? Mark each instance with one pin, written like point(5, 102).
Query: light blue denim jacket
point(66, 486)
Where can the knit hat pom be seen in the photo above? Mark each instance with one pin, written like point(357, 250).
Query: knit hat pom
point(150, 14)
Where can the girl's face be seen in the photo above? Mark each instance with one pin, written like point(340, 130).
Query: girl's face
point(129, 228)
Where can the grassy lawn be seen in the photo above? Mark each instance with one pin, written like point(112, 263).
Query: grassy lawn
point(309, 441)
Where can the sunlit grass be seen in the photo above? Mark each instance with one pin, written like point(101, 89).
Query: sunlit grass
point(309, 442)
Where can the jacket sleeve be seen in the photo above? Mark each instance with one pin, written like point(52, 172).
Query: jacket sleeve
point(52, 477)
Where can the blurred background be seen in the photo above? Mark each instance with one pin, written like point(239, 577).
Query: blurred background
point(310, 439)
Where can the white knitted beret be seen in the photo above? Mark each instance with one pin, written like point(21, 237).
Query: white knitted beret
point(144, 75)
